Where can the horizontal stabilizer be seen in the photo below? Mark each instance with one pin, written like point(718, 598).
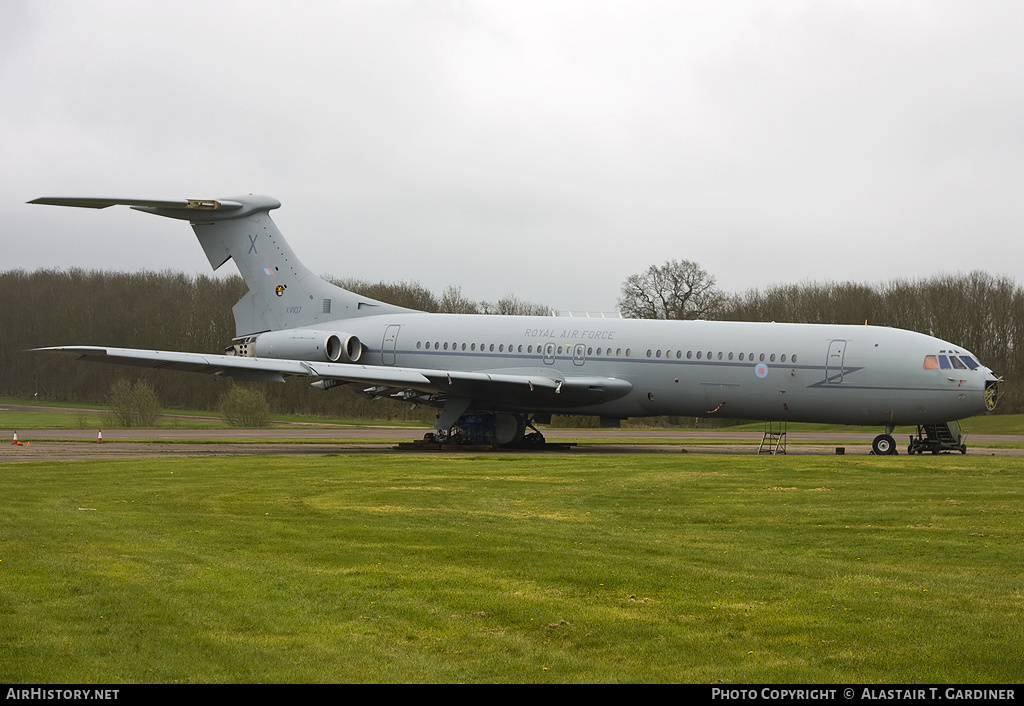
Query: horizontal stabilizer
point(186, 204)
point(283, 293)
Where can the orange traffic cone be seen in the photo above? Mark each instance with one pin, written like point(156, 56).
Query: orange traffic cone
point(99, 436)
point(14, 441)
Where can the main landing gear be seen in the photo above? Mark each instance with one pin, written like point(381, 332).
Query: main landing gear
point(505, 430)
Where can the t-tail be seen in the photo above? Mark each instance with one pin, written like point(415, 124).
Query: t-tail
point(283, 293)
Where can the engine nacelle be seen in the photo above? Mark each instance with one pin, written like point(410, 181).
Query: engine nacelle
point(307, 344)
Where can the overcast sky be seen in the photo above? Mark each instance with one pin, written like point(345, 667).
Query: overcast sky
point(546, 149)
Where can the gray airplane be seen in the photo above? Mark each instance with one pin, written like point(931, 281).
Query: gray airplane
point(505, 373)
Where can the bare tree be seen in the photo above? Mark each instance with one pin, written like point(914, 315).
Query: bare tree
point(511, 305)
point(679, 289)
point(454, 302)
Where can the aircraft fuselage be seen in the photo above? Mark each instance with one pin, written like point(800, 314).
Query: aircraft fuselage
point(866, 375)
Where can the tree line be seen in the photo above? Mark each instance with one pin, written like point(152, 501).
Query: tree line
point(171, 311)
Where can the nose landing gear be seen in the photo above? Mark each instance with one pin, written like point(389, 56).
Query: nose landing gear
point(884, 444)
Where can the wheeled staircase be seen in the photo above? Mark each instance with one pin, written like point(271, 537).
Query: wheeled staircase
point(938, 438)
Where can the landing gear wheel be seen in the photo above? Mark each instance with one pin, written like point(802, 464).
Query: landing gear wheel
point(534, 438)
point(509, 429)
point(884, 445)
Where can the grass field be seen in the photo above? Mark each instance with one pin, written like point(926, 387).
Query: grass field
point(513, 569)
point(45, 417)
point(50, 416)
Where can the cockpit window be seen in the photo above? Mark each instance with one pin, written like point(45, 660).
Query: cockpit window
point(931, 362)
point(971, 362)
point(957, 363)
point(943, 362)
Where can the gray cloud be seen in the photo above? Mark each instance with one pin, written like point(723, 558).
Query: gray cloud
point(548, 150)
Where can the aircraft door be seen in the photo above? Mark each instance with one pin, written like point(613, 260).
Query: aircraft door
point(389, 344)
point(549, 354)
point(579, 354)
point(834, 362)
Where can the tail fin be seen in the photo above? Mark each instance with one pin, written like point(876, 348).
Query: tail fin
point(283, 294)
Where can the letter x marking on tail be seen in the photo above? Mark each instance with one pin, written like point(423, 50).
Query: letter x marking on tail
point(252, 244)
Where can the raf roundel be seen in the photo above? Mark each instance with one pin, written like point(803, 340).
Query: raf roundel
point(761, 370)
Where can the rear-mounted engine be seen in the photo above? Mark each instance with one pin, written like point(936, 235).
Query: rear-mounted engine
point(300, 344)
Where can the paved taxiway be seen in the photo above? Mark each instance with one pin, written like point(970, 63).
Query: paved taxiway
point(58, 445)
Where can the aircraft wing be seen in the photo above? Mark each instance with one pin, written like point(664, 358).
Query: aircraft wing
point(541, 387)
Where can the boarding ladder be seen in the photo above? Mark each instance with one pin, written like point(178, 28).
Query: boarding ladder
point(938, 438)
point(774, 440)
